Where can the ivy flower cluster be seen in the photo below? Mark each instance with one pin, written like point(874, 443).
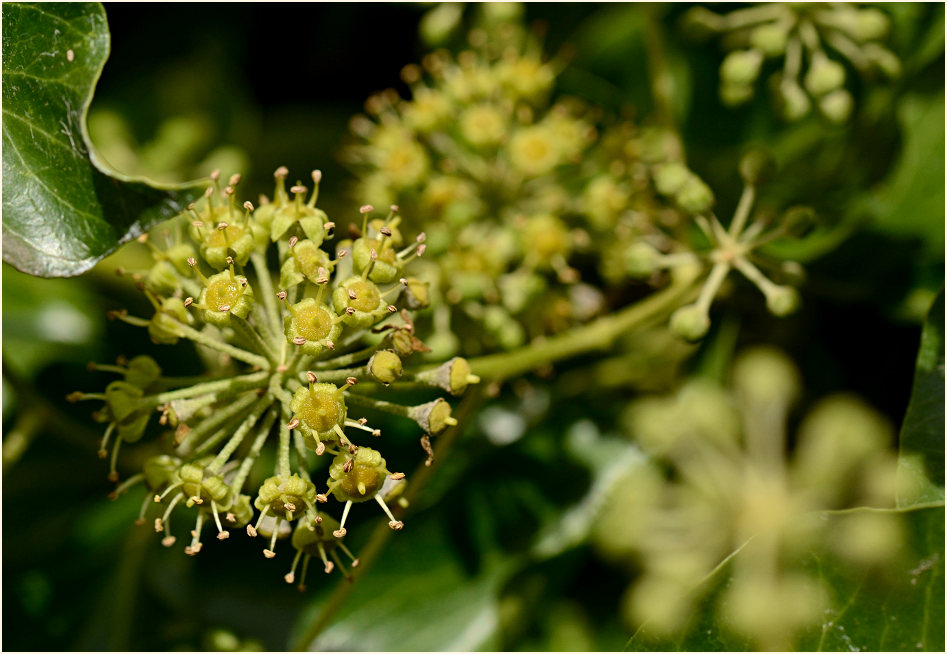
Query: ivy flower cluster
point(289, 355)
point(813, 40)
point(519, 188)
point(718, 479)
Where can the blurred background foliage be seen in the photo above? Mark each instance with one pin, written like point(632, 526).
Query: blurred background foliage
point(496, 554)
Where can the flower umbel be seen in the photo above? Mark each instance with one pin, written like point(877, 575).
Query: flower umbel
point(287, 357)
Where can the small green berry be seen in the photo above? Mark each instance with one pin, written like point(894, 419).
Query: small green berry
point(824, 75)
point(837, 105)
point(770, 39)
point(641, 260)
point(695, 197)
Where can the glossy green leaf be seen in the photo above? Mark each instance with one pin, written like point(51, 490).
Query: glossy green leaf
point(921, 461)
point(899, 608)
point(62, 209)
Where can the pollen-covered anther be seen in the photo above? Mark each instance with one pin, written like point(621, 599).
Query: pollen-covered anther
point(299, 340)
point(168, 541)
point(230, 517)
point(397, 475)
point(191, 261)
point(392, 308)
point(281, 172)
point(322, 499)
point(209, 192)
point(234, 179)
point(385, 231)
point(223, 308)
point(341, 254)
point(289, 506)
point(188, 301)
point(329, 566)
point(289, 577)
point(376, 433)
point(223, 535)
point(221, 226)
point(352, 295)
point(269, 554)
point(366, 208)
point(311, 376)
point(373, 254)
point(316, 176)
point(348, 465)
point(320, 448)
point(421, 249)
point(339, 533)
point(292, 424)
point(298, 188)
point(281, 295)
point(293, 240)
point(251, 532)
point(248, 205)
point(330, 345)
point(397, 525)
point(215, 174)
point(159, 525)
point(157, 499)
point(350, 311)
point(362, 421)
point(329, 226)
point(351, 381)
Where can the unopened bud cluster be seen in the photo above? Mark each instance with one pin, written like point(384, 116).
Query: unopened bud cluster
point(813, 40)
point(521, 190)
point(719, 479)
point(290, 355)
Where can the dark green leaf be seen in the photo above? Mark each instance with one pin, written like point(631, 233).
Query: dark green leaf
point(912, 201)
point(62, 210)
point(921, 462)
point(900, 608)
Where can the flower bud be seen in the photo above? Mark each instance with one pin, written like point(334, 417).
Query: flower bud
point(770, 39)
point(782, 301)
point(417, 295)
point(695, 197)
point(670, 178)
point(837, 105)
point(734, 95)
point(641, 260)
point(764, 375)
point(385, 366)
point(689, 323)
point(795, 102)
point(824, 75)
point(741, 67)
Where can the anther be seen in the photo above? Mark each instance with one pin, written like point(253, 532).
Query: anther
point(366, 208)
point(293, 241)
point(251, 532)
point(311, 376)
point(392, 308)
point(231, 517)
point(348, 465)
point(341, 254)
point(352, 295)
point(298, 188)
point(293, 424)
point(316, 176)
point(289, 506)
point(322, 499)
point(234, 179)
point(339, 533)
point(269, 554)
point(221, 226)
point(281, 295)
point(397, 525)
point(299, 340)
point(168, 541)
point(248, 205)
point(223, 535)
point(281, 172)
point(385, 231)
point(351, 381)
point(215, 174)
point(188, 301)
point(350, 311)
point(397, 475)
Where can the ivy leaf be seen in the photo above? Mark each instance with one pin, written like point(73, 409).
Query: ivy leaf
point(921, 459)
point(898, 609)
point(63, 210)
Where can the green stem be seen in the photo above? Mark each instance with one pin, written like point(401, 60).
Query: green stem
point(380, 405)
point(215, 421)
point(268, 292)
point(237, 437)
point(252, 337)
point(743, 210)
point(597, 335)
point(237, 482)
point(232, 384)
point(347, 359)
point(234, 352)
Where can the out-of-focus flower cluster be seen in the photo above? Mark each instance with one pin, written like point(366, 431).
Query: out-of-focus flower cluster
point(813, 40)
point(288, 357)
point(524, 193)
point(719, 479)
